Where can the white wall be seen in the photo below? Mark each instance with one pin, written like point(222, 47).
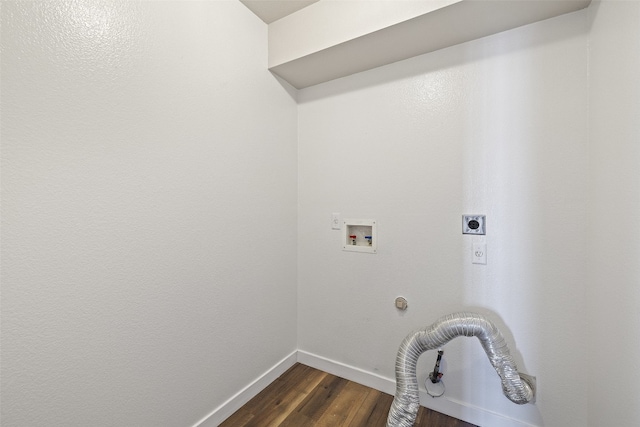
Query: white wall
point(497, 126)
point(148, 212)
point(614, 273)
point(149, 205)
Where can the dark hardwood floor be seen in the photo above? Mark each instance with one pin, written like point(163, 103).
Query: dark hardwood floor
point(304, 396)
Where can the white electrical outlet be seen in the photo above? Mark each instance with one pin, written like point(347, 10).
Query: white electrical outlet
point(479, 254)
point(335, 221)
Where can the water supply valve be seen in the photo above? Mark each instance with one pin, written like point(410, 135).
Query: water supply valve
point(360, 235)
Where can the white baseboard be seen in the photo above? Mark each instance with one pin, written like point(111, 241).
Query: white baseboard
point(377, 382)
point(461, 410)
point(224, 411)
point(445, 405)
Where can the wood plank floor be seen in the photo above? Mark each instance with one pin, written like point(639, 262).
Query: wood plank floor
point(304, 396)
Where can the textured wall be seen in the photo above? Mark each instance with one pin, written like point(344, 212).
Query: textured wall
point(614, 273)
point(148, 211)
point(497, 126)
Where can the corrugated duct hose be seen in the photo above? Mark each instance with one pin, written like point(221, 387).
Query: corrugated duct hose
point(406, 402)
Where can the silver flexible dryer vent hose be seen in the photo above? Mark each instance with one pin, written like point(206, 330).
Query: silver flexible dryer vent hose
point(406, 402)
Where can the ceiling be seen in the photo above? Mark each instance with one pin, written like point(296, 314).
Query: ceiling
point(272, 10)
